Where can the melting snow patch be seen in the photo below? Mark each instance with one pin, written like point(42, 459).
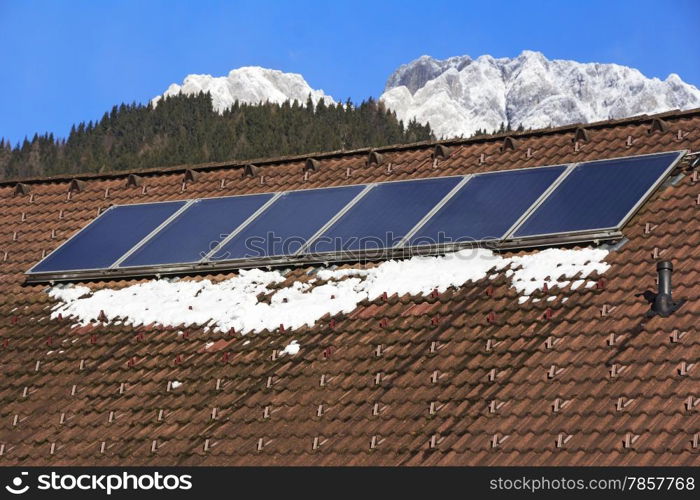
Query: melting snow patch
point(548, 266)
point(292, 349)
point(68, 293)
point(330, 274)
point(234, 304)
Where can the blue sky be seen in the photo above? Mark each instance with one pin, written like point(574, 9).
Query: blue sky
point(69, 61)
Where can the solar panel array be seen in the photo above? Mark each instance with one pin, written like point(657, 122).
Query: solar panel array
point(510, 208)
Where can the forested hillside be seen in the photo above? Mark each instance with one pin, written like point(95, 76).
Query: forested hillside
point(185, 129)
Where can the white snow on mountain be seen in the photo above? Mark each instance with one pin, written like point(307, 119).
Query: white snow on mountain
point(249, 84)
point(460, 95)
point(416, 74)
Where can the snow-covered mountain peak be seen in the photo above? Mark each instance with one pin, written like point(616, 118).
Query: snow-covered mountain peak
point(461, 95)
point(417, 73)
point(248, 84)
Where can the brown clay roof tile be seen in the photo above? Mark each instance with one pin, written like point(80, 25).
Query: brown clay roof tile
point(466, 377)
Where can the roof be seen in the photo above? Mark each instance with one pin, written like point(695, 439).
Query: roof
point(467, 376)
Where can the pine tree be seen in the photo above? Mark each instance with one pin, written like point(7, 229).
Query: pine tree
point(185, 129)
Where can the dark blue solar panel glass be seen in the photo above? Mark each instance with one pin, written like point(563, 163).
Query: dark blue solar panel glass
point(197, 231)
point(284, 227)
point(597, 195)
point(108, 237)
point(486, 206)
point(384, 215)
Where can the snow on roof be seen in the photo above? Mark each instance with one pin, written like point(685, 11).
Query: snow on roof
point(292, 348)
point(234, 303)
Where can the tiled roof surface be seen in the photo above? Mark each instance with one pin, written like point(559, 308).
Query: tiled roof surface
point(466, 377)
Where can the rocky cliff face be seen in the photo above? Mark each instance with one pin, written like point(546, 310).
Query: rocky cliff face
point(460, 95)
point(251, 85)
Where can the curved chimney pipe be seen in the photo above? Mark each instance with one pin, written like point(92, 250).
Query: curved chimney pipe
point(663, 303)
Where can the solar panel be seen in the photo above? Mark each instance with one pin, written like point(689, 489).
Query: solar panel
point(288, 224)
point(485, 207)
point(384, 215)
point(598, 195)
point(197, 231)
point(515, 208)
point(108, 237)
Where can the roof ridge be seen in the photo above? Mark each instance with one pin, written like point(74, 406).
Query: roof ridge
point(340, 153)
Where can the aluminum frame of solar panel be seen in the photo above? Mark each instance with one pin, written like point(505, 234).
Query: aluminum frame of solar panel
point(483, 208)
point(563, 193)
point(134, 228)
point(190, 237)
point(372, 211)
point(294, 218)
